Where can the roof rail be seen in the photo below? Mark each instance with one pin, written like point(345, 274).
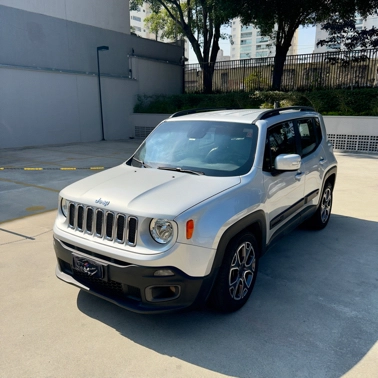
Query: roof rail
point(193, 111)
point(274, 112)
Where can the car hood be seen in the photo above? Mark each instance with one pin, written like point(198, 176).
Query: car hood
point(146, 191)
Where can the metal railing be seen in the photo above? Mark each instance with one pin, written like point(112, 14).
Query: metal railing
point(301, 72)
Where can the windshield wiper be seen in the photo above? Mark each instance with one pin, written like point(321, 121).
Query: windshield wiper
point(182, 170)
point(142, 163)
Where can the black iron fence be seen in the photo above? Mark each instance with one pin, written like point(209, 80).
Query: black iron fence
point(301, 72)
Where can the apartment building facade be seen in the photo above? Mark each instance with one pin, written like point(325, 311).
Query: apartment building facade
point(361, 23)
point(248, 42)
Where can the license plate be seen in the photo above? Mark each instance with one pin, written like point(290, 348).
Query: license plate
point(88, 267)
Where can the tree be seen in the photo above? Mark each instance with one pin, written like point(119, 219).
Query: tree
point(200, 22)
point(163, 26)
point(343, 34)
point(288, 15)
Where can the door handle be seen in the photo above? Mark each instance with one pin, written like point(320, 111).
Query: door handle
point(299, 176)
point(322, 161)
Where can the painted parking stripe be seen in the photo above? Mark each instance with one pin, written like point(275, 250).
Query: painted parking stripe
point(52, 169)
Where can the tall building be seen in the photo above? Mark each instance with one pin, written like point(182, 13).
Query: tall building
point(138, 27)
point(248, 42)
point(360, 24)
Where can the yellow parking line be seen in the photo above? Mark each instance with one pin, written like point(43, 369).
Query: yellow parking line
point(51, 169)
point(30, 185)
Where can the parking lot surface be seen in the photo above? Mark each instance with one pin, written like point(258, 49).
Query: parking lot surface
point(313, 312)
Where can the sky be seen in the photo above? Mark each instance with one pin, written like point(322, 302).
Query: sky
point(306, 43)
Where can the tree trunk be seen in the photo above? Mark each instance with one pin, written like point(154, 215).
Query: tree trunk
point(207, 71)
point(279, 62)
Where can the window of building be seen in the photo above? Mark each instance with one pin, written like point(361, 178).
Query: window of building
point(246, 35)
point(262, 39)
point(137, 28)
point(135, 18)
point(246, 42)
point(261, 54)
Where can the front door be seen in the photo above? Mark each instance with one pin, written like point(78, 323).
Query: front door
point(284, 190)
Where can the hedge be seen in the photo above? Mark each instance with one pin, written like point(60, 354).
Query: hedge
point(355, 102)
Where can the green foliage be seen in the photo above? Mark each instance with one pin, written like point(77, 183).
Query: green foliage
point(256, 79)
point(345, 101)
point(356, 102)
point(163, 25)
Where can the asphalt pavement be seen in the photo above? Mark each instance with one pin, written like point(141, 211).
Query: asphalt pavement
point(313, 312)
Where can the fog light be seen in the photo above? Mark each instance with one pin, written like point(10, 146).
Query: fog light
point(164, 273)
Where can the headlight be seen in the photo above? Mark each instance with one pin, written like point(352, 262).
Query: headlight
point(64, 206)
point(161, 230)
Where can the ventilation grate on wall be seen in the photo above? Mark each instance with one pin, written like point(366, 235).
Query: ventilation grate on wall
point(363, 143)
point(142, 131)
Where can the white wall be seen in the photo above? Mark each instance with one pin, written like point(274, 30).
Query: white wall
point(40, 108)
point(351, 125)
point(106, 14)
point(157, 77)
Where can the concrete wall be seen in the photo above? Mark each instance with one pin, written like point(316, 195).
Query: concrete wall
point(353, 133)
point(109, 14)
point(351, 125)
point(52, 108)
point(48, 76)
point(35, 40)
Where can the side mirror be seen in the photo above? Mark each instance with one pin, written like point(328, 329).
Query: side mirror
point(287, 162)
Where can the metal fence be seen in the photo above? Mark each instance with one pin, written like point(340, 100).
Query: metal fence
point(301, 72)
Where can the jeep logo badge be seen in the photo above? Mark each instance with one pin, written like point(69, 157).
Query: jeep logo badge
point(102, 202)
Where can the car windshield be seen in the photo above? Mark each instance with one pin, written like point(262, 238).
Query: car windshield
point(199, 147)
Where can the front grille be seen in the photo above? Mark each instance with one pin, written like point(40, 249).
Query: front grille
point(106, 225)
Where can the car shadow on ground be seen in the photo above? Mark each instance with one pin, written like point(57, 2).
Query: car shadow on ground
point(312, 312)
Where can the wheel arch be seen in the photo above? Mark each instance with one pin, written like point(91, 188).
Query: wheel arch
point(330, 176)
point(255, 223)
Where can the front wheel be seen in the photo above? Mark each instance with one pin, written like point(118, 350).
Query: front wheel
point(320, 219)
point(237, 274)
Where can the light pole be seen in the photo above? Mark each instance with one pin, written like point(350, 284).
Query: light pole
point(100, 48)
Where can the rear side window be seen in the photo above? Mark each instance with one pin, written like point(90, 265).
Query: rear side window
point(310, 135)
point(280, 140)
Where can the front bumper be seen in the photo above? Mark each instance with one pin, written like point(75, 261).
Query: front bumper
point(130, 286)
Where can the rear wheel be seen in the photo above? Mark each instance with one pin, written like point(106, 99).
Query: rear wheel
point(320, 219)
point(237, 274)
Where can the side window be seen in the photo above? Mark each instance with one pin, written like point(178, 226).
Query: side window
point(318, 130)
point(309, 135)
point(280, 140)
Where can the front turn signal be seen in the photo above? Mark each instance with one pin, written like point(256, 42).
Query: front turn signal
point(189, 228)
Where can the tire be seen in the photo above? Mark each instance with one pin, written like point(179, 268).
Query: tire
point(237, 274)
point(320, 219)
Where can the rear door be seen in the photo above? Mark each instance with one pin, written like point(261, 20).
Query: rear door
point(313, 158)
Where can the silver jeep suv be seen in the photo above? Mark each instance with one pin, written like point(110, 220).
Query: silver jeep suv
point(186, 219)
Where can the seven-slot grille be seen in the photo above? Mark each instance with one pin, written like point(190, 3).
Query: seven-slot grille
point(103, 224)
